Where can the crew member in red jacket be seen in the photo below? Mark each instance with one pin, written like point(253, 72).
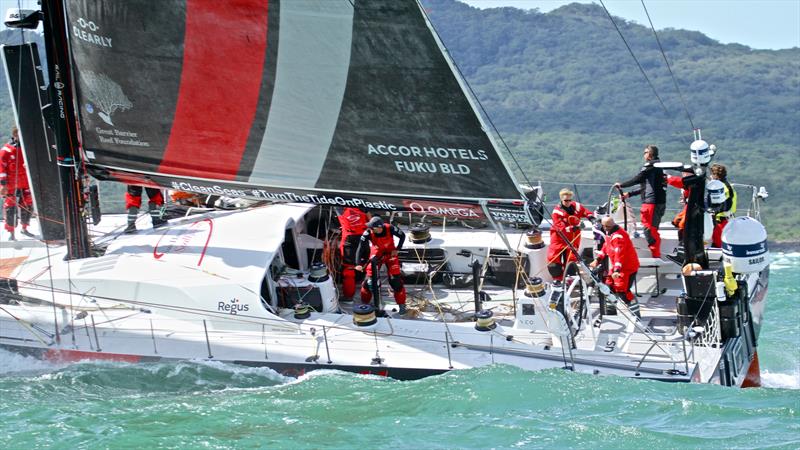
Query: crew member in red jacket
point(623, 263)
point(354, 223)
point(133, 201)
point(566, 221)
point(383, 251)
point(14, 186)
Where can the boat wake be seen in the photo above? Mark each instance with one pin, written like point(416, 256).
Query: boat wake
point(784, 261)
point(16, 364)
point(183, 376)
point(781, 380)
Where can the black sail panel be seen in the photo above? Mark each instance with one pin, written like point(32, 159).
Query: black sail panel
point(405, 124)
point(127, 64)
point(298, 100)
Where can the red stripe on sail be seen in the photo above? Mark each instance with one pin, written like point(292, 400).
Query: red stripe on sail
point(223, 61)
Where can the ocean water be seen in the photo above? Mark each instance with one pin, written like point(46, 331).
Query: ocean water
point(213, 405)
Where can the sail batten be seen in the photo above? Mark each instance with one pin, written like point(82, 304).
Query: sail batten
point(315, 96)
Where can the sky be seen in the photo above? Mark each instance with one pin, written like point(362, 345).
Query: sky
point(761, 24)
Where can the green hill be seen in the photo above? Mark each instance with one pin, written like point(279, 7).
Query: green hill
point(573, 106)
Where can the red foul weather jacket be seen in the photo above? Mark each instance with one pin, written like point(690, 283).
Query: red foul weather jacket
point(620, 252)
point(353, 222)
point(566, 220)
point(13, 174)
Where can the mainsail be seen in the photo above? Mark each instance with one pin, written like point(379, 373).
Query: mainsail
point(322, 101)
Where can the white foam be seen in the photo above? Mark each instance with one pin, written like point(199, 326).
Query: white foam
point(312, 374)
point(238, 370)
point(11, 362)
point(781, 380)
point(784, 261)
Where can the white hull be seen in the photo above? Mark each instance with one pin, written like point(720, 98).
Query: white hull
point(191, 291)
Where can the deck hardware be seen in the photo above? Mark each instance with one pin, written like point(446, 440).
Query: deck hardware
point(94, 328)
point(264, 340)
point(88, 336)
point(208, 343)
point(327, 350)
point(153, 336)
point(377, 360)
point(447, 346)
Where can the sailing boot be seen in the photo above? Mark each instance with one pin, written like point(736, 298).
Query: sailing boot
point(11, 221)
point(155, 215)
point(25, 218)
point(633, 305)
point(133, 213)
point(26, 232)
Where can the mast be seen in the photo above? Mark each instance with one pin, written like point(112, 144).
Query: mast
point(693, 246)
point(64, 123)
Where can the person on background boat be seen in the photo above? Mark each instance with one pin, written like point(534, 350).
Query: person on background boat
point(653, 189)
point(623, 263)
point(183, 198)
point(679, 221)
point(565, 228)
point(727, 210)
point(353, 222)
point(14, 186)
point(383, 251)
point(133, 201)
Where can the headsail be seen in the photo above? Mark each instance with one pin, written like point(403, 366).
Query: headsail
point(302, 100)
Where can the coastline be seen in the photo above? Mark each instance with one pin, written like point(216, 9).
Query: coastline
point(784, 246)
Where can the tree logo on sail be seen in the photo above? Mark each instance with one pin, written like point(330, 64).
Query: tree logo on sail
point(105, 94)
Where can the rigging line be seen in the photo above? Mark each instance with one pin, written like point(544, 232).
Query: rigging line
point(474, 96)
point(641, 69)
point(597, 280)
point(316, 233)
point(257, 319)
point(52, 292)
point(30, 327)
point(671, 74)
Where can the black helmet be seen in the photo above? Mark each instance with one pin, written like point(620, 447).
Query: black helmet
point(375, 222)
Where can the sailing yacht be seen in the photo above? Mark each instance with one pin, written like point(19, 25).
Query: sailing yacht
point(304, 107)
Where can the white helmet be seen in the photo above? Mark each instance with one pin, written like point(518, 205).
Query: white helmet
point(715, 192)
point(701, 154)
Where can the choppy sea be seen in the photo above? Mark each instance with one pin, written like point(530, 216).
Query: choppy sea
point(212, 405)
